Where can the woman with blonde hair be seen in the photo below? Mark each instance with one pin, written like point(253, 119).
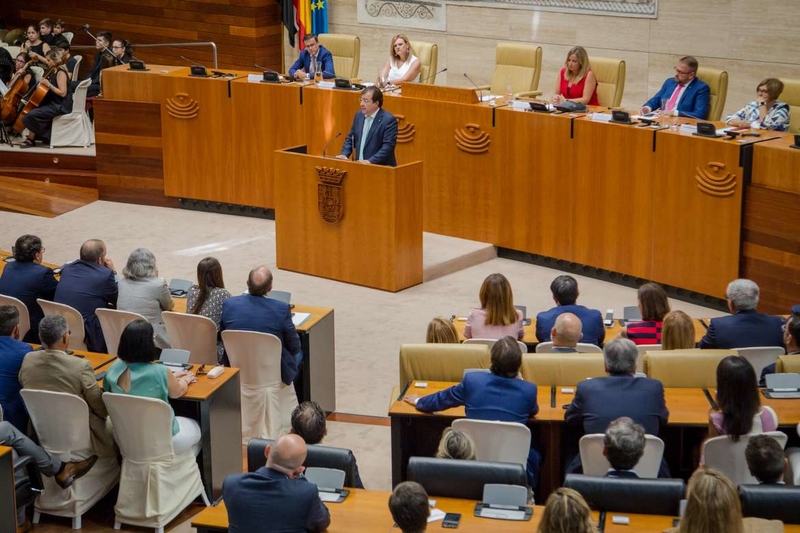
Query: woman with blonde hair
point(402, 64)
point(441, 330)
point(677, 331)
point(576, 81)
point(713, 506)
point(566, 512)
point(456, 445)
point(497, 316)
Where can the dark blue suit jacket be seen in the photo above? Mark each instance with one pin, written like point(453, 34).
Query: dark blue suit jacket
point(381, 139)
point(324, 59)
point(591, 319)
point(87, 287)
point(268, 501)
point(12, 352)
point(27, 282)
point(744, 329)
point(256, 313)
point(693, 104)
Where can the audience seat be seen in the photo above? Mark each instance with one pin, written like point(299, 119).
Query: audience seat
point(440, 362)
point(318, 456)
point(788, 364)
point(727, 456)
point(717, 81)
point(610, 74)
point(453, 478)
point(643, 349)
point(346, 51)
point(74, 128)
point(772, 502)
point(491, 342)
point(561, 369)
point(77, 333)
point(28, 484)
point(195, 333)
point(595, 463)
point(507, 442)
point(428, 54)
point(113, 322)
point(793, 455)
point(761, 356)
point(791, 95)
point(24, 316)
point(581, 347)
point(693, 368)
point(622, 495)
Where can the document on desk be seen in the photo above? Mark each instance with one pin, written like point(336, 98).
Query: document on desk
point(299, 318)
point(601, 117)
point(436, 514)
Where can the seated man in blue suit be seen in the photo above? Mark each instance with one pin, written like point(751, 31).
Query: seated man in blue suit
point(275, 497)
point(600, 401)
point(565, 294)
point(745, 327)
point(374, 132)
point(12, 352)
point(27, 280)
point(255, 312)
point(497, 395)
point(313, 54)
point(791, 341)
point(623, 446)
point(684, 95)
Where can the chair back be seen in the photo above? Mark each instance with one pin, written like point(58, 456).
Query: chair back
point(771, 502)
point(581, 347)
point(428, 54)
point(68, 36)
point(561, 369)
point(79, 96)
point(77, 333)
point(346, 51)
point(610, 74)
point(453, 478)
point(257, 355)
point(195, 333)
point(790, 95)
point(727, 456)
point(142, 426)
point(38, 73)
point(788, 364)
point(491, 342)
point(14, 38)
point(717, 81)
point(24, 316)
point(624, 495)
point(440, 362)
point(76, 67)
point(761, 356)
point(518, 65)
point(693, 368)
point(318, 456)
point(505, 442)
point(113, 322)
point(61, 420)
point(643, 349)
point(595, 463)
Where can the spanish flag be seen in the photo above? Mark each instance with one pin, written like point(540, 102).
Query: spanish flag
point(304, 22)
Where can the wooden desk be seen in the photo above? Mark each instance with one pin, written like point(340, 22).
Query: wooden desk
point(121, 83)
point(776, 165)
point(97, 360)
point(8, 507)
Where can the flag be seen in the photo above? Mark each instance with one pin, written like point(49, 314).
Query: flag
point(319, 10)
point(288, 19)
point(303, 10)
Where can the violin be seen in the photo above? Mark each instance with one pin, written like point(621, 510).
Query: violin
point(17, 88)
point(36, 98)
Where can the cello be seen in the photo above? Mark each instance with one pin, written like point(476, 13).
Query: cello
point(17, 88)
point(36, 98)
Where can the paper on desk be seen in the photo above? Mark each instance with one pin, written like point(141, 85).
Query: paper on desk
point(299, 318)
point(436, 514)
point(326, 84)
point(254, 78)
point(489, 97)
point(601, 117)
point(520, 104)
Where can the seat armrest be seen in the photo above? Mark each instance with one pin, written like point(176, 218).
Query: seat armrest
point(484, 87)
point(528, 94)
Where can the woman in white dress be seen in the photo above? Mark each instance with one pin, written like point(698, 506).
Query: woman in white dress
point(402, 65)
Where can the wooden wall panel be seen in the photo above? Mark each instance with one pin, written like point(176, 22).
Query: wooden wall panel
point(245, 31)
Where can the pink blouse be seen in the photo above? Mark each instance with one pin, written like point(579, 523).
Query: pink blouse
point(765, 420)
point(476, 327)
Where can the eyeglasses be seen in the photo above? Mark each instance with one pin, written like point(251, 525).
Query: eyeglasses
point(117, 47)
point(683, 72)
point(762, 91)
point(366, 101)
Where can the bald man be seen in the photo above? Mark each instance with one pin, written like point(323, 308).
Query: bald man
point(275, 497)
point(255, 312)
point(566, 333)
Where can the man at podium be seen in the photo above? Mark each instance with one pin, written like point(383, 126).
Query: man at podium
point(374, 132)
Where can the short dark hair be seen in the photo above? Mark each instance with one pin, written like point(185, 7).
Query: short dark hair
point(92, 250)
point(46, 22)
point(375, 93)
point(310, 36)
point(624, 443)
point(51, 329)
point(136, 343)
point(565, 290)
point(259, 289)
point(793, 327)
point(409, 507)
point(9, 318)
point(308, 421)
point(765, 458)
point(26, 248)
point(691, 62)
point(506, 357)
point(106, 35)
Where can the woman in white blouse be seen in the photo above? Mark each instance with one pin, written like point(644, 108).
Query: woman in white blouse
point(402, 64)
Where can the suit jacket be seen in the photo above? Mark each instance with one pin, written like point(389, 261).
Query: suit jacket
point(12, 353)
point(564, 349)
point(148, 297)
point(267, 315)
point(591, 320)
point(324, 59)
point(381, 138)
point(54, 370)
point(268, 501)
point(743, 330)
point(87, 287)
point(624, 474)
point(27, 282)
point(694, 102)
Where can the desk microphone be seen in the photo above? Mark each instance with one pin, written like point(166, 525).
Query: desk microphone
point(117, 61)
point(327, 144)
point(475, 85)
point(191, 62)
point(426, 78)
point(265, 69)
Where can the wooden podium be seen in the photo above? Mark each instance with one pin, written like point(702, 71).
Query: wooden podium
point(349, 221)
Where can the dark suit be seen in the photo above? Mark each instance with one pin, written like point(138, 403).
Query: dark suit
point(381, 138)
point(256, 313)
point(744, 329)
point(487, 396)
point(324, 60)
point(12, 352)
point(591, 321)
point(27, 282)
point(87, 287)
point(268, 501)
point(694, 102)
point(624, 474)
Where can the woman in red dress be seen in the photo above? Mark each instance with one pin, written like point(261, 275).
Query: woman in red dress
point(576, 81)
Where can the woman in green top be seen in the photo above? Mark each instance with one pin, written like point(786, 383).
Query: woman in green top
point(134, 373)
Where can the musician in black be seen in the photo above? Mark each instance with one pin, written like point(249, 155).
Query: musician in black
point(58, 101)
point(102, 60)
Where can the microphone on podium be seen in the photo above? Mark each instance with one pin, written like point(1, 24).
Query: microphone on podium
point(426, 78)
point(480, 91)
point(327, 144)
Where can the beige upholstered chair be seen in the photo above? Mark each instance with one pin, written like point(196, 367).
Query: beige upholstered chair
point(517, 64)
point(428, 54)
point(561, 369)
point(440, 362)
point(693, 368)
point(346, 51)
point(791, 95)
point(610, 74)
point(717, 81)
point(788, 364)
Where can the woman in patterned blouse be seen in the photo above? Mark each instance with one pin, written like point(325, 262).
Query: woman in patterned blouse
point(766, 111)
point(207, 296)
